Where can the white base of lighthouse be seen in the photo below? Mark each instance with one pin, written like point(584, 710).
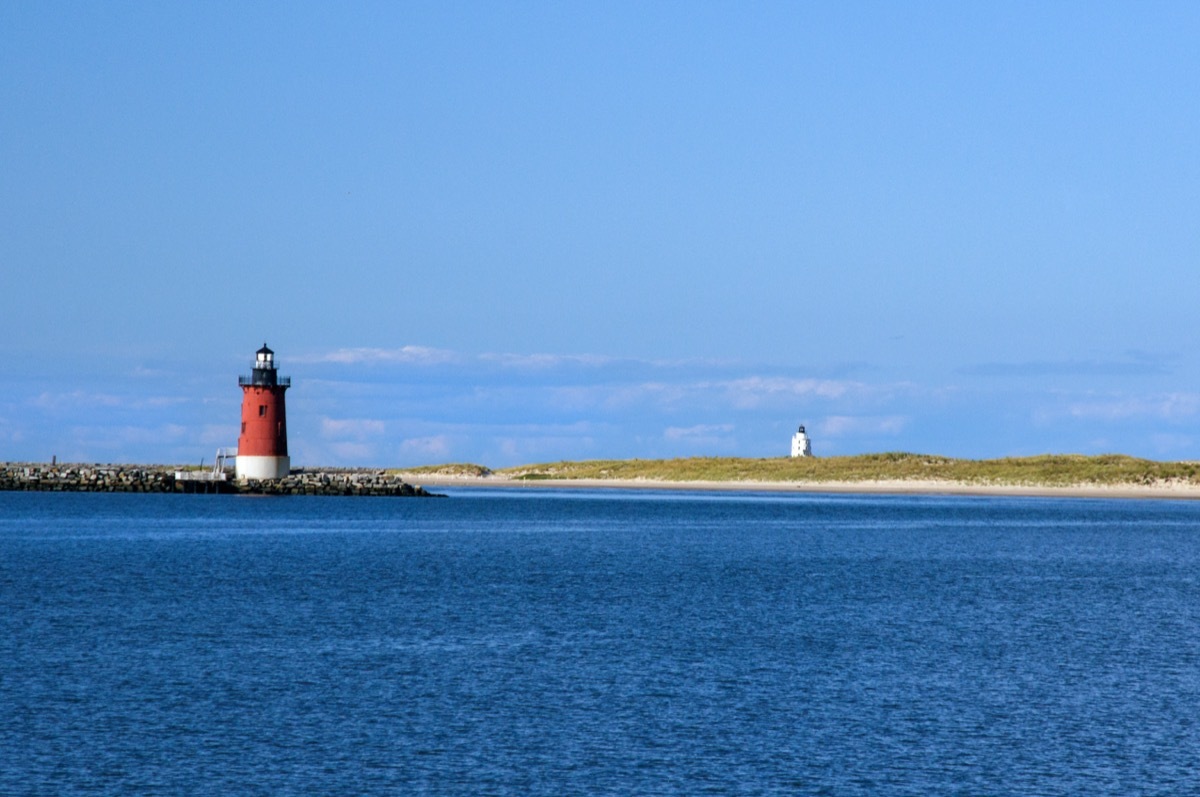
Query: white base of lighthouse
point(259, 467)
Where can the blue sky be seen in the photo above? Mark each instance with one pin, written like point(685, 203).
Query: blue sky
point(519, 232)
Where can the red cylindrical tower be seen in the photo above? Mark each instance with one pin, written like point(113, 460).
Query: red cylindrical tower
point(262, 446)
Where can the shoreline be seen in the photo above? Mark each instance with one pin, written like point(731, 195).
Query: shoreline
point(892, 487)
point(355, 481)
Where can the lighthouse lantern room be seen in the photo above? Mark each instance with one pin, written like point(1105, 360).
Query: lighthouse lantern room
point(262, 446)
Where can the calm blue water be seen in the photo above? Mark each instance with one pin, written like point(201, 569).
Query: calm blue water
point(548, 643)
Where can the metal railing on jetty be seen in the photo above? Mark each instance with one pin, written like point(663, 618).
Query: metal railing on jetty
point(215, 480)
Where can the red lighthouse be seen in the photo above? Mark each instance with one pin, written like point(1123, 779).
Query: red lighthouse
point(262, 446)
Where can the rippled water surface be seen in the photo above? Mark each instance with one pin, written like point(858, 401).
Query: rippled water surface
point(551, 642)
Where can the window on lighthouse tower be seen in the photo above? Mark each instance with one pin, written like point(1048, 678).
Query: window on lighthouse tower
point(262, 410)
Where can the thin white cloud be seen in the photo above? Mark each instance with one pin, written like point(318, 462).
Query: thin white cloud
point(860, 426)
point(1137, 364)
point(658, 393)
point(699, 431)
point(142, 372)
point(346, 453)
point(701, 436)
point(9, 432)
point(753, 391)
point(352, 428)
point(405, 355)
point(424, 355)
point(538, 448)
point(546, 361)
point(75, 399)
point(218, 435)
point(1172, 444)
point(500, 409)
point(119, 437)
point(433, 449)
point(1167, 407)
point(159, 402)
point(747, 393)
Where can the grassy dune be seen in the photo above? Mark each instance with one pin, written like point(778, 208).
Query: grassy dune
point(454, 469)
point(1048, 470)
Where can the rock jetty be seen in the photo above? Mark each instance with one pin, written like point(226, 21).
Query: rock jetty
point(377, 483)
point(87, 478)
point(161, 479)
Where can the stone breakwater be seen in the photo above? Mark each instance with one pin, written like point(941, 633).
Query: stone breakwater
point(376, 483)
point(87, 478)
point(154, 479)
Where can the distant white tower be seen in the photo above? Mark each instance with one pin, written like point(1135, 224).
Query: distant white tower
point(801, 447)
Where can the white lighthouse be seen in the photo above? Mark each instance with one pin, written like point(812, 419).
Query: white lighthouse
point(801, 447)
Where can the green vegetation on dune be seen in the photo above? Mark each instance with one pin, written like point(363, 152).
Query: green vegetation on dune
point(456, 469)
point(1052, 470)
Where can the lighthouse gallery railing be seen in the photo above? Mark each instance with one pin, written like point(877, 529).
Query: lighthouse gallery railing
point(285, 381)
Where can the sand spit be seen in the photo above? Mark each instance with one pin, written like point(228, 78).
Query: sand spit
point(896, 487)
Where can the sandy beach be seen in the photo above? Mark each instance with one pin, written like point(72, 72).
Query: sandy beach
point(898, 487)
